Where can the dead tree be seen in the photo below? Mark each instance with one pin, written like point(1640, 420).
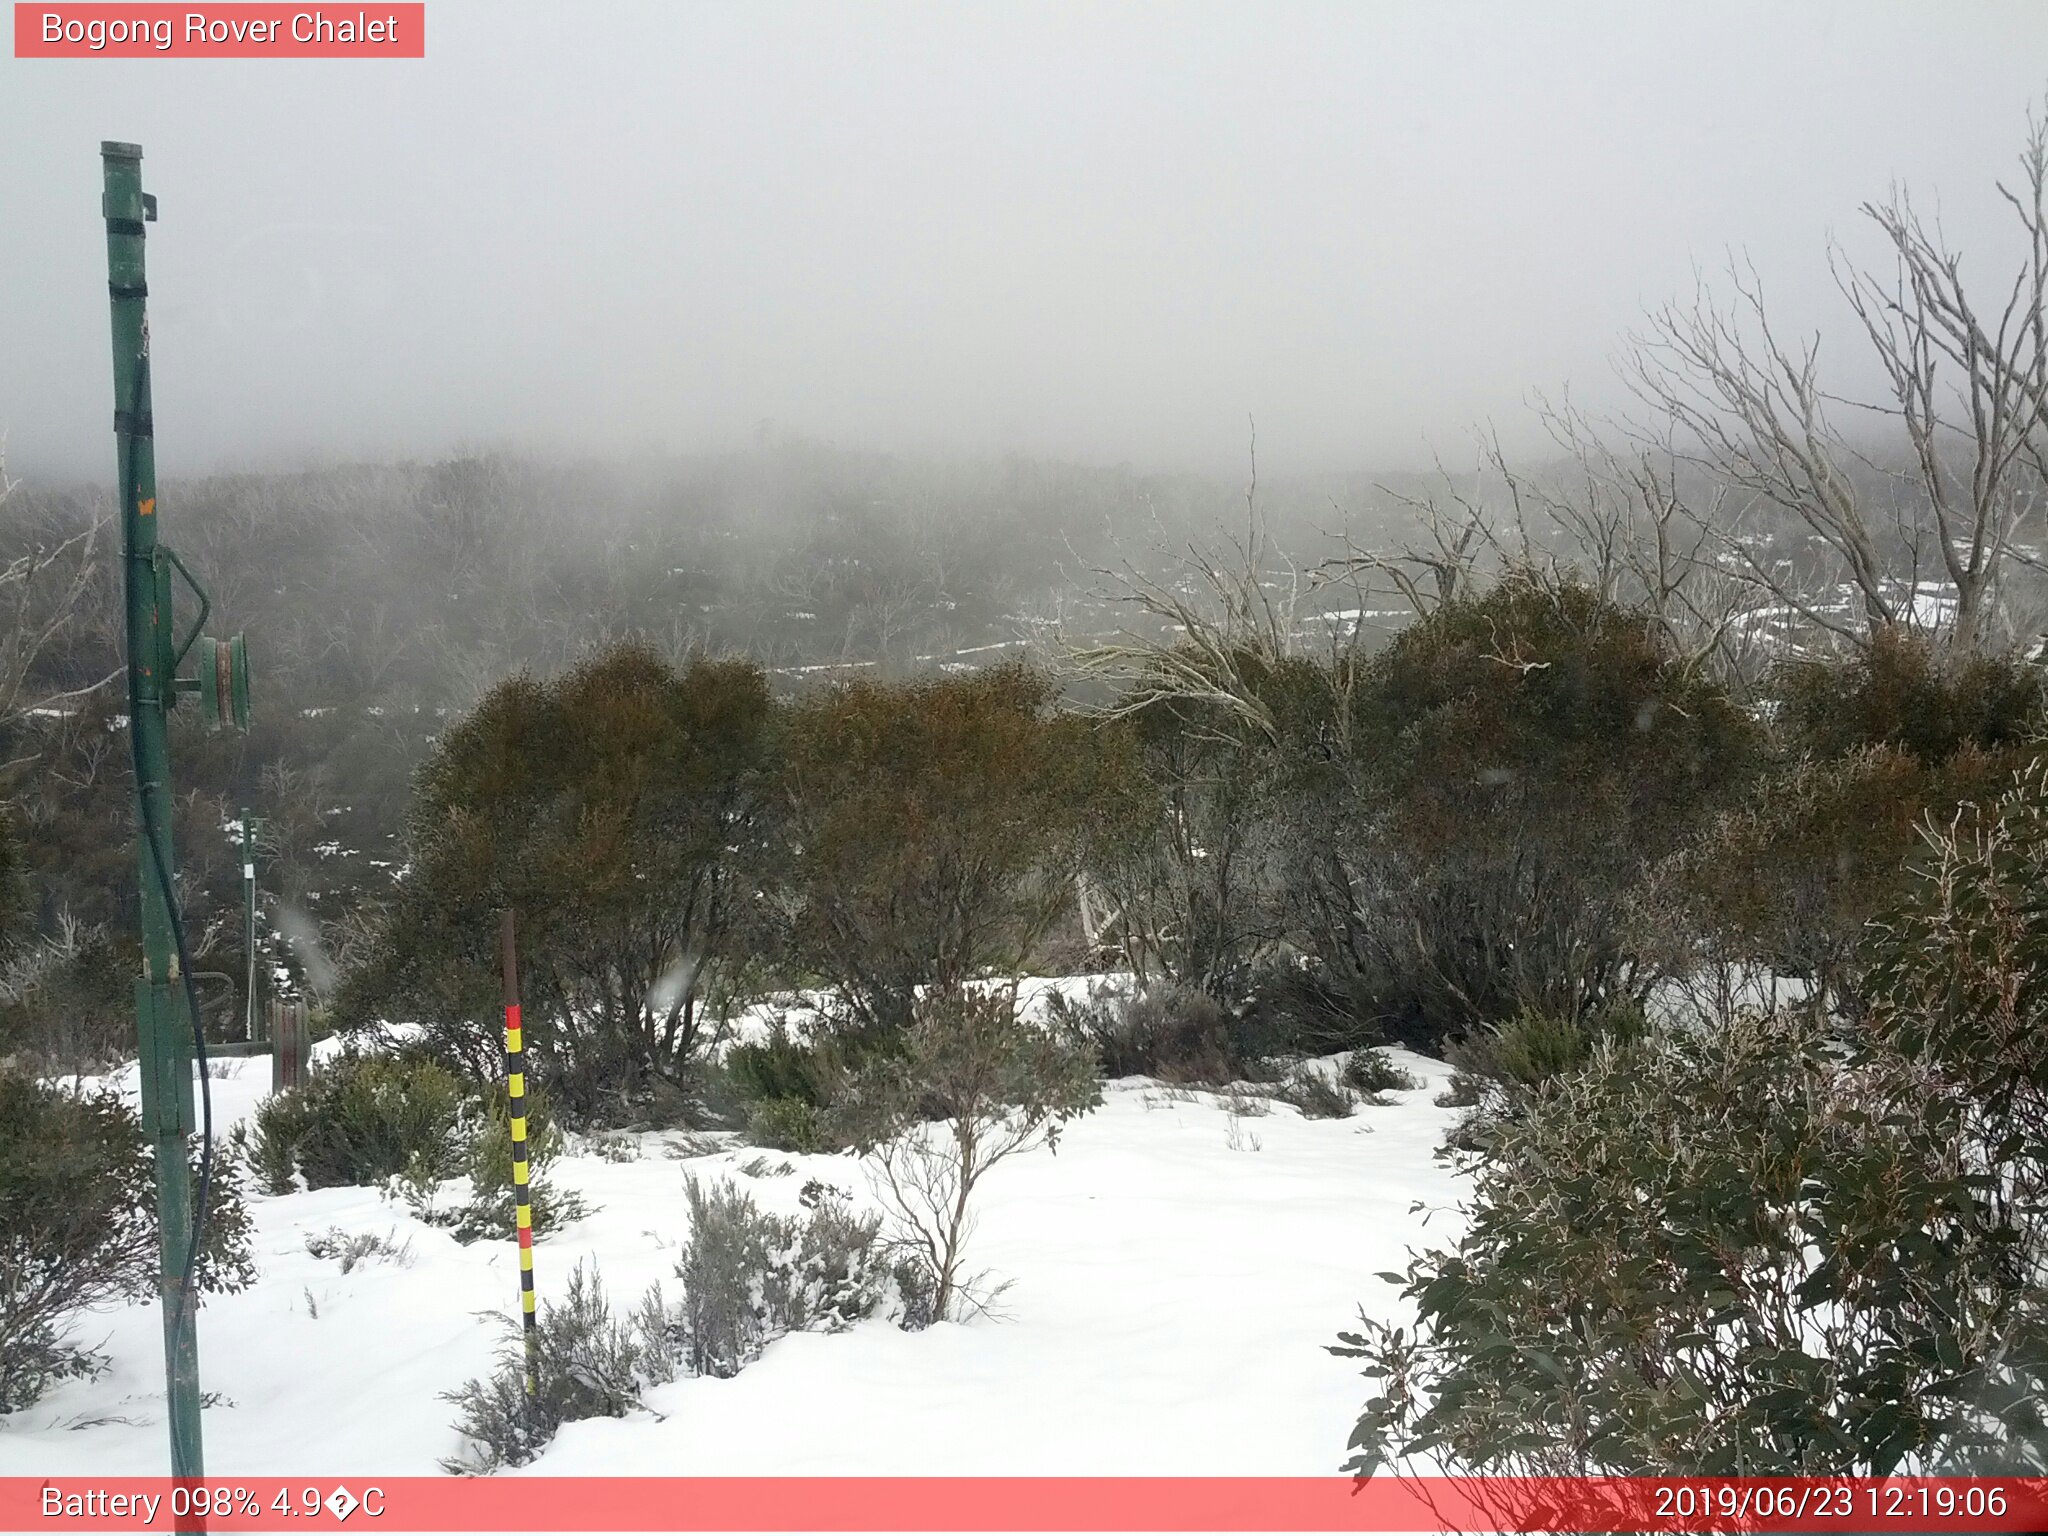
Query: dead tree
point(44, 589)
point(1968, 385)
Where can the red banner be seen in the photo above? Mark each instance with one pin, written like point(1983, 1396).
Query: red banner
point(538, 1504)
point(102, 31)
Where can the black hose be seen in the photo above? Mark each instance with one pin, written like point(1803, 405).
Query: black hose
point(187, 1288)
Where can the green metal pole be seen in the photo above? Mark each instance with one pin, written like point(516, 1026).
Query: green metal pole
point(163, 1026)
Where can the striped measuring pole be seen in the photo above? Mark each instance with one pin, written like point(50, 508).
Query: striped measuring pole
point(515, 1093)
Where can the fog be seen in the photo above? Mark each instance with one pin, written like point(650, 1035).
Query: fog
point(1105, 233)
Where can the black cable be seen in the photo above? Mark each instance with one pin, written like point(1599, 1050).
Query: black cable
point(187, 1288)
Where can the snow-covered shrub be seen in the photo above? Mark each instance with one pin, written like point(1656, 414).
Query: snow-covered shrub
point(1371, 1072)
point(1316, 1094)
point(78, 1227)
point(749, 1276)
point(489, 1212)
point(362, 1118)
point(586, 1364)
point(349, 1249)
point(994, 1086)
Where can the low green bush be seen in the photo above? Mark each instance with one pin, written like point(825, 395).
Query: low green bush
point(789, 1125)
point(1372, 1072)
point(784, 1065)
point(78, 1227)
point(1533, 1047)
point(1756, 1246)
point(362, 1118)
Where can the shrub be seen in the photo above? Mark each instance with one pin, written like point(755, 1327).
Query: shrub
point(1315, 1094)
point(1525, 759)
point(490, 1210)
point(1790, 879)
point(1166, 1031)
point(1370, 1071)
point(789, 1084)
point(1463, 1091)
point(784, 1066)
point(78, 1227)
point(1293, 1006)
point(66, 1000)
point(998, 1086)
point(1902, 693)
point(586, 1365)
point(789, 1125)
point(1530, 1048)
point(265, 1145)
point(350, 1249)
point(749, 1277)
point(362, 1118)
point(1182, 855)
point(1534, 1047)
point(1737, 1248)
point(15, 905)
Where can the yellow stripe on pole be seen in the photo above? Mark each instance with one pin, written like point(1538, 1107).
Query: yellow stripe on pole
point(518, 1170)
point(519, 1127)
point(516, 1085)
point(526, 1259)
point(526, 1300)
point(523, 1214)
point(512, 1043)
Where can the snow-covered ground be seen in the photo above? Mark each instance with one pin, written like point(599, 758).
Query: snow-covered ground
point(1176, 1273)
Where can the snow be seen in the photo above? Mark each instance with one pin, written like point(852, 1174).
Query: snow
point(1175, 1273)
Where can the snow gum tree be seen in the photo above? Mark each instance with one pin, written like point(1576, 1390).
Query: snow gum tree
point(619, 811)
point(932, 830)
point(1524, 759)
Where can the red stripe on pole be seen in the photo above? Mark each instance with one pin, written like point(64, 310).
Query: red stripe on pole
point(526, 1237)
point(1061, 1504)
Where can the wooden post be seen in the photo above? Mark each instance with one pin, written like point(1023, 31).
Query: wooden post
point(291, 1046)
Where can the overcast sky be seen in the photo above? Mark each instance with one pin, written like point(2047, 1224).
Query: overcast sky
point(1106, 231)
